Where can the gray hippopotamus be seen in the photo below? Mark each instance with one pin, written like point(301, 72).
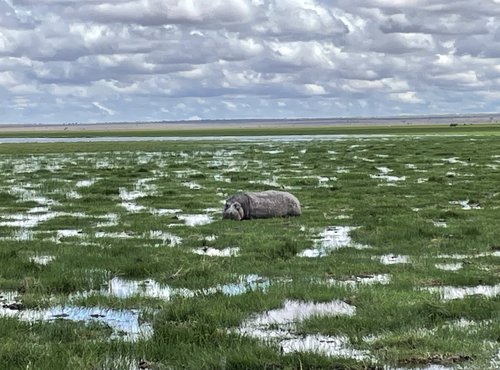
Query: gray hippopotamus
point(263, 204)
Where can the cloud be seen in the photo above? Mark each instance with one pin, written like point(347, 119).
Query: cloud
point(136, 60)
point(406, 97)
point(104, 109)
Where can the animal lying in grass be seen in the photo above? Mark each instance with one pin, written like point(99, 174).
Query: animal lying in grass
point(264, 204)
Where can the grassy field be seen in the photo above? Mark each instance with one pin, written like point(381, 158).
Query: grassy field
point(115, 256)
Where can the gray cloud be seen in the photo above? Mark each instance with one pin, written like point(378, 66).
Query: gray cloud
point(98, 60)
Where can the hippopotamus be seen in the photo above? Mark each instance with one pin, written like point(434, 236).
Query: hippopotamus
point(263, 204)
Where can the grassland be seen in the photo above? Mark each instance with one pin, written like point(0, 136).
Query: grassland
point(101, 268)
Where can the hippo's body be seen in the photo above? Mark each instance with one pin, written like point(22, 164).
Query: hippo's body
point(264, 204)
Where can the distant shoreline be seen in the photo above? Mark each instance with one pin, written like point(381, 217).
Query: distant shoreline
point(491, 119)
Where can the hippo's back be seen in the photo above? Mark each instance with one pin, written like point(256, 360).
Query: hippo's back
point(273, 203)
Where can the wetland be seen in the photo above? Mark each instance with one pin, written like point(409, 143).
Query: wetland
point(115, 254)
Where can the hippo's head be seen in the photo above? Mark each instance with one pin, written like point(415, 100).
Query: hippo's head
point(233, 211)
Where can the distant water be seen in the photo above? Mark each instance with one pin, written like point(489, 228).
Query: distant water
point(282, 138)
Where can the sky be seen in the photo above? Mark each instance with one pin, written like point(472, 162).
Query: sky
point(83, 61)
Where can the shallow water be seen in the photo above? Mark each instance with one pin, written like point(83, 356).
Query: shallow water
point(192, 185)
point(195, 220)
point(450, 292)
point(278, 326)
point(42, 260)
point(392, 259)
point(275, 138)
point(467, 256)
point(85, 183)
point(466, 204)
point(384, 175)
point(113, 235)
point(440, 223)
point(213, 252)
point(332, 238)
point(125, 323)
point(245, 283)
point(27, 220)
point(168, 239)
point(121, 288)
point(354, 281)
point(449, 266)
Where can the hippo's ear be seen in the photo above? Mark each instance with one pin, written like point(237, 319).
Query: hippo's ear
point(245, 204)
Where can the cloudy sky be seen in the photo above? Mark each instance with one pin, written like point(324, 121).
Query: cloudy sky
point(146, 60)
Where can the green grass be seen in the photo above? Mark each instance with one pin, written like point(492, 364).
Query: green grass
point(400, 324)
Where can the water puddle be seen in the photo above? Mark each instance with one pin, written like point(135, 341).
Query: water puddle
point(453, 160)
point(26, 193)
point(125, 324)
point(192, 185)
point(450, 292)
point(467, 256)
point(73, 195)
point(354, 281)
point(384, 175)
point(332, 238)
point(42, 260)
point(467, 204)
point(440, 223)
point(323, 181)
point(270, 182)
point(164, 211)
point(29, 220)
point(364, 159)
point(111, 219)
point(221, 178)
point(167, 239)
point(449, 266)
point(194, 220)
point(209, 238)
point(142, 188)
point(121, 288)
point(343, 217)
point(126, 195)
point(213, 252)
point(298, 311)
point(392, 259)
point(133, 207)
point(279, 327)
point(113, 235)
point(85, 183)
point(68, 233)
point(245, 283)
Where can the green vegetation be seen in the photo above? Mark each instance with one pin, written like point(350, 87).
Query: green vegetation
point(110, 213)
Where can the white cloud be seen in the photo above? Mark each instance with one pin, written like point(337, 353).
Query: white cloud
point(104, 109)
point(170, 59)
point(406, 97)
